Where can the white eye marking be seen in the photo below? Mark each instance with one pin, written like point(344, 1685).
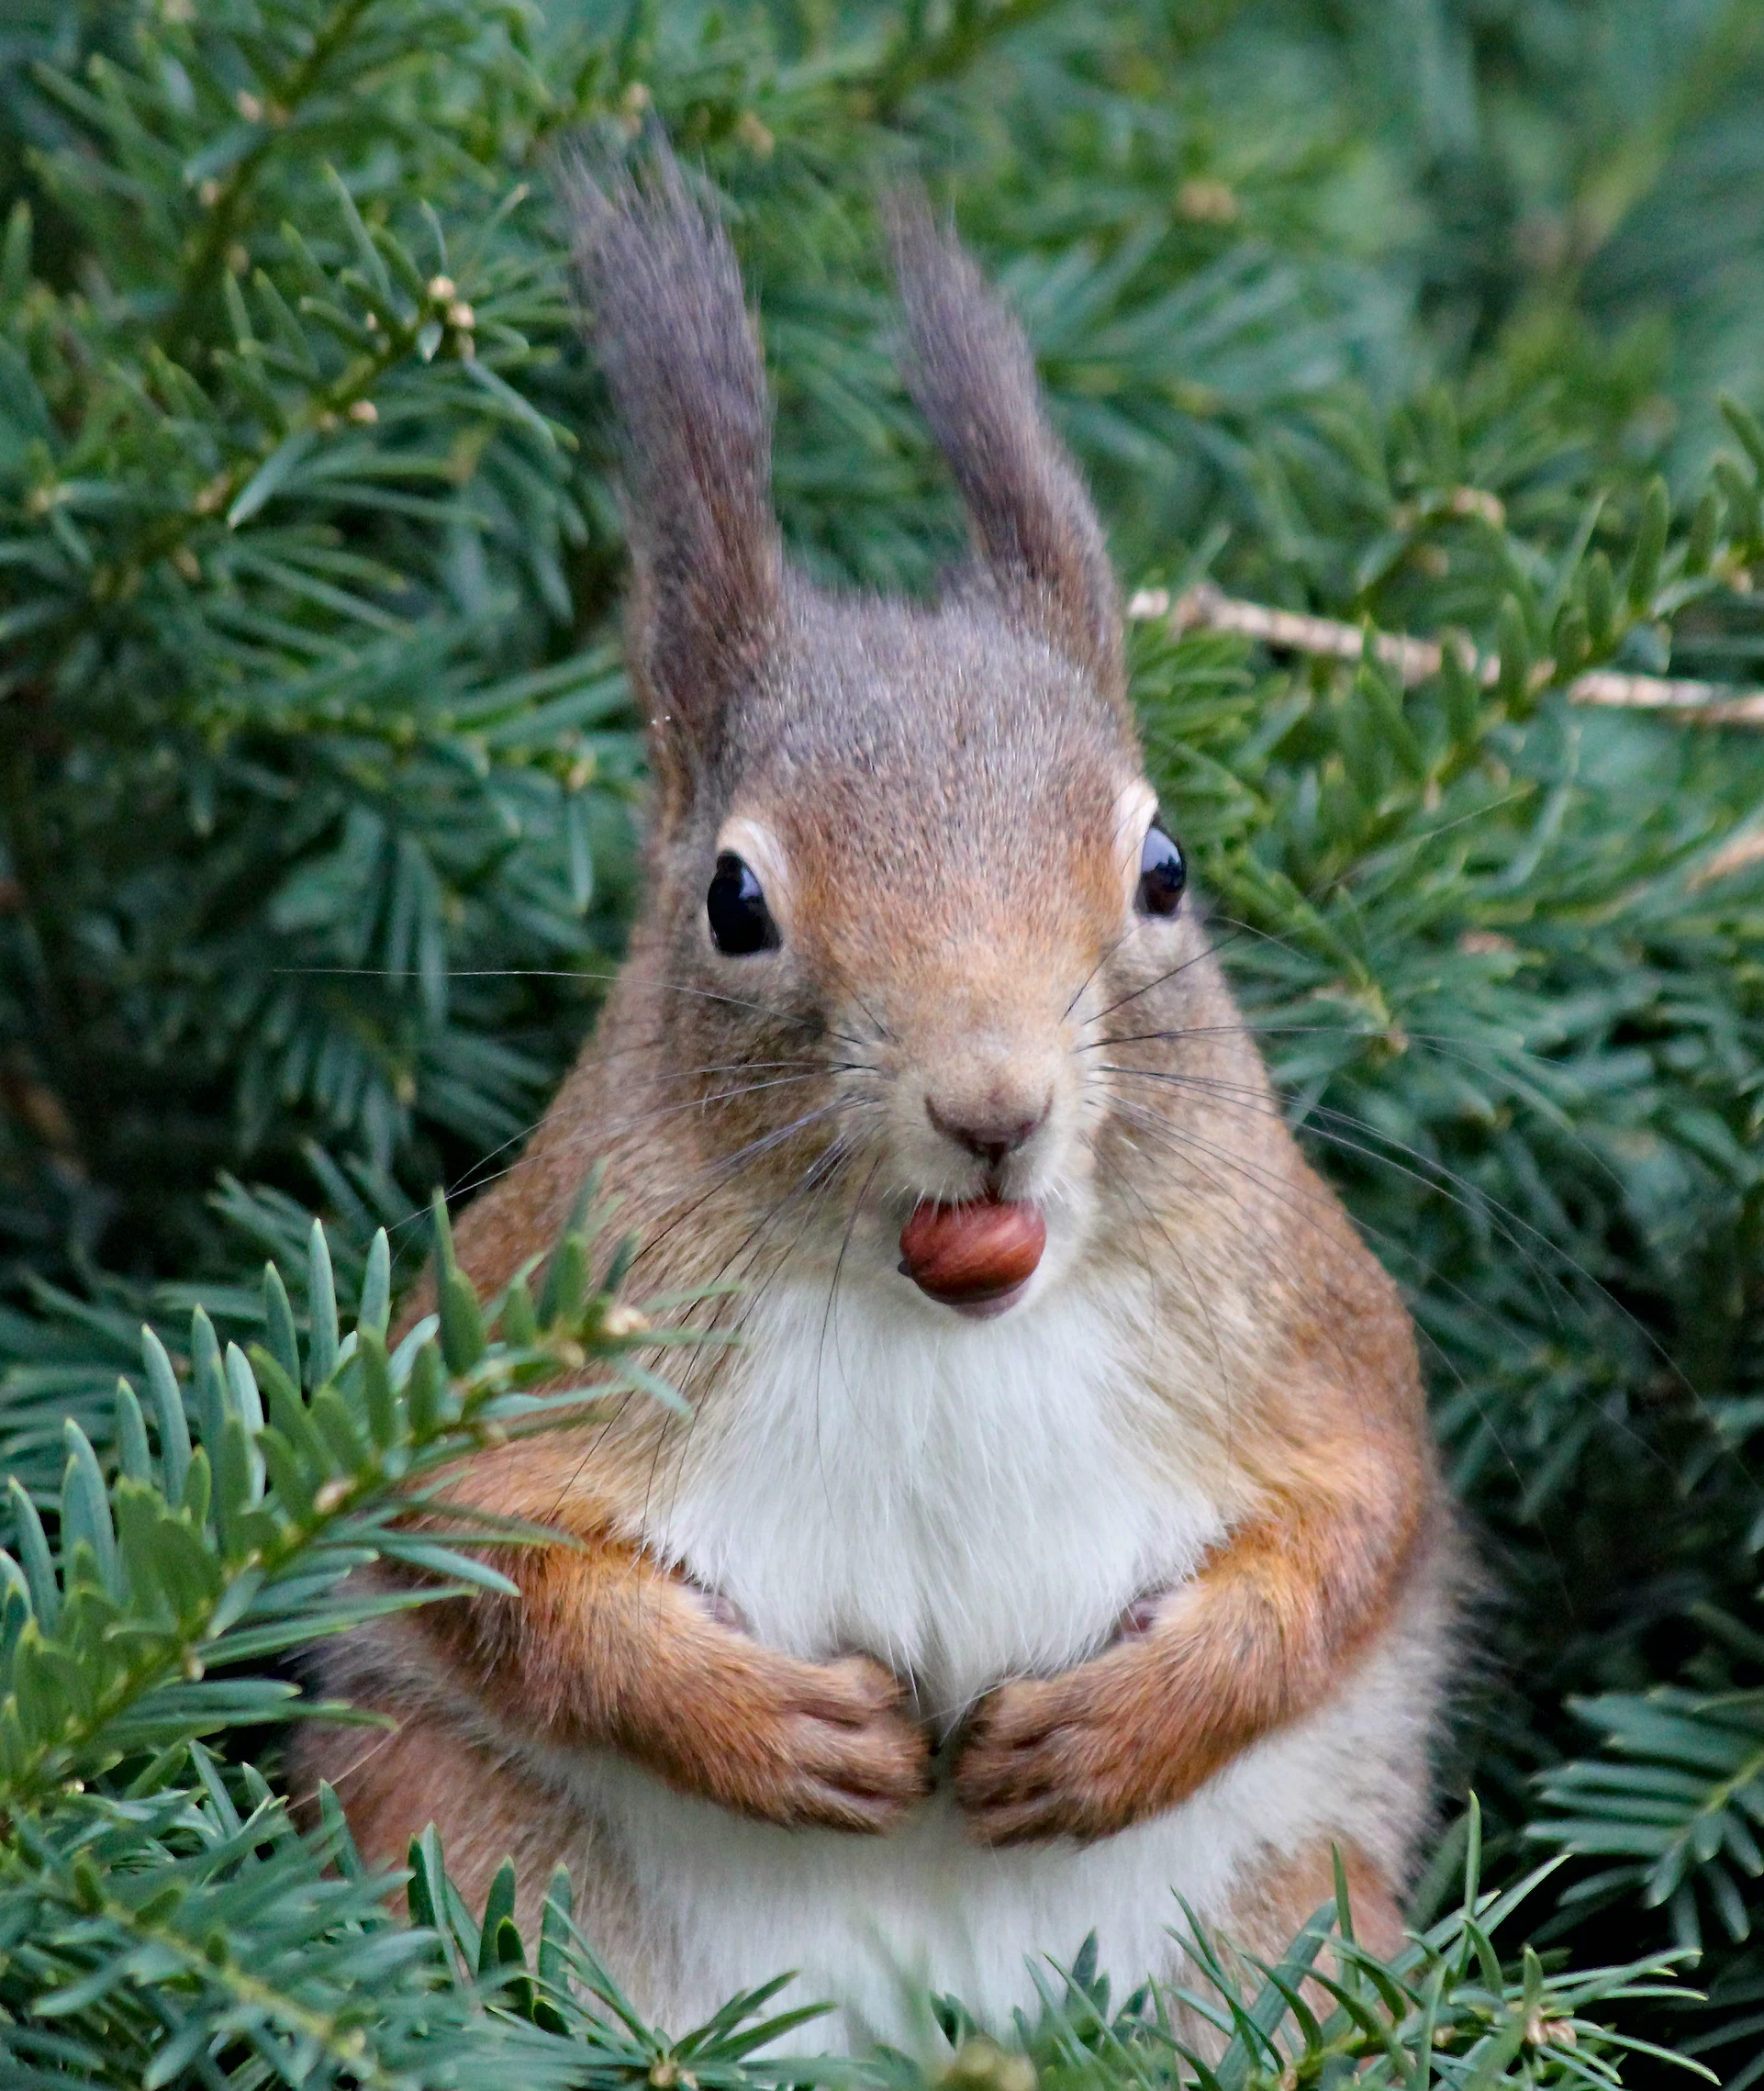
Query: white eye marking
point(1135, 810)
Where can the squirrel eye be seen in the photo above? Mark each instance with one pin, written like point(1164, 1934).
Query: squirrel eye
point(1163, 874)
point(741, 922)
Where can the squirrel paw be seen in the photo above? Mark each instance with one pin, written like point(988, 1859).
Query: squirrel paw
point(784, 1740)
point(854, 1760)
point(1079, 1755)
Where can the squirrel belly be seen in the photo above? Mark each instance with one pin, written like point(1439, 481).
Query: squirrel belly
point(969, 1501)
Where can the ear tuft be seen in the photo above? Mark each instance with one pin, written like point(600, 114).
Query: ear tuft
point(973, 378)
point(665, 315)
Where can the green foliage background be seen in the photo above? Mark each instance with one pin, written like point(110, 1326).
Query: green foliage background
point(317, 788)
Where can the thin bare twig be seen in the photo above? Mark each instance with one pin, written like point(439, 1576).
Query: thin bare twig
point(1293, 632)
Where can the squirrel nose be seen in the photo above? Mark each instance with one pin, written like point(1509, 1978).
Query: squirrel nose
point(990, 1133)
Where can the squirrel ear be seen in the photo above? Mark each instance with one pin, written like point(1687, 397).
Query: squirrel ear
point(973, 378)
point(665, 315)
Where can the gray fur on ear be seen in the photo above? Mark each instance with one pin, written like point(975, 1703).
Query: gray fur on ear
point(971, 373)
point(665, 315)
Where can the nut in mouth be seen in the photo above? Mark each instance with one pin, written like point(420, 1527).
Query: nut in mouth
point(976, 1257)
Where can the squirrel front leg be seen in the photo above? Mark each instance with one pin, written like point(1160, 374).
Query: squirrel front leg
point(1259, 1636)
point(605, 1647)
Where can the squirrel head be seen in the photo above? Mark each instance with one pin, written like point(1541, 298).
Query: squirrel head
point(905, 856)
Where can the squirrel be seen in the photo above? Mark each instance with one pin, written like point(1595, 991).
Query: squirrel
point(1063, 1534)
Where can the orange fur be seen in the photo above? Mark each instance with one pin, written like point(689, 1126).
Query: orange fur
point(950, 806)
point(602, 1647)
point(1270, 1908)
point(1259, 1637)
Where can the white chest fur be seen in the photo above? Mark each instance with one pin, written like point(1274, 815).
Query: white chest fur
point(967, 1501)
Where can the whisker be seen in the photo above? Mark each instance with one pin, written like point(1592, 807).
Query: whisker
point(825, 1166)
point(777, 1205)
point(1152, 1121)
point(1468, 1197)
point(1273, 1248)
point(819, 1176)
point(1209, 950)
point(725, 1163)
point(569, 973)
point(1440, 1043)
point(845, 981)
point(482, 1181)
point(1401, 1252)
point(1095, 970)
point(833, 1290)
point(475, 1180)
point(1507, 1222)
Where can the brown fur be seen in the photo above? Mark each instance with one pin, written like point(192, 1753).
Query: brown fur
point(944, 789)
point(1259, 1637)
point(652, 1670)
point(1271, 1908)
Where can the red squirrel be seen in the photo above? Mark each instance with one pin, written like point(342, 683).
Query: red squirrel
point(1063, 1534)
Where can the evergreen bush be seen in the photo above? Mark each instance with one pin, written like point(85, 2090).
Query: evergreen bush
point(317, 786)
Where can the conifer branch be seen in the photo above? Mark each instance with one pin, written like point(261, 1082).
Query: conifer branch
point(273, 112)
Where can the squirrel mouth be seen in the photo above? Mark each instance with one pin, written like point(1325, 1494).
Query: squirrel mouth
point(976, 1257)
